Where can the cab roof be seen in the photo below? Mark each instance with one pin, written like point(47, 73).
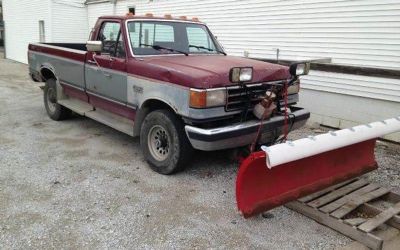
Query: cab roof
point(150, 16)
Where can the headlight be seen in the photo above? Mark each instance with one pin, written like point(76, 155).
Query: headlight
point(201, 98)
point(299, 69)
point(237, 75)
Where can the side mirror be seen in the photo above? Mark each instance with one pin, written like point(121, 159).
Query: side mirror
point(94, 46)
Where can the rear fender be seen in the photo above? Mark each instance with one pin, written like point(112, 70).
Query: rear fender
point(47, 71)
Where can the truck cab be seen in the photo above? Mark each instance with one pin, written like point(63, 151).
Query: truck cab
point(170, 82)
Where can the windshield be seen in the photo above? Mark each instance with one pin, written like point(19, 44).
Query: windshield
point(155, 38)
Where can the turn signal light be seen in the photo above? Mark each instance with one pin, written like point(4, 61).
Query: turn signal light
point(198, 98)
point(207, 98)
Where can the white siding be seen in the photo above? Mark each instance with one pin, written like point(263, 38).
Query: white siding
point(65, 21)
point(352, 32)
point(69, 21)
point(96, 10)
point(21, 20)
point(356, 85)
point(343, 111)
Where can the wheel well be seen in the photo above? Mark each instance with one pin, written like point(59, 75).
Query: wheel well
point(147, 107)
point(47, 74)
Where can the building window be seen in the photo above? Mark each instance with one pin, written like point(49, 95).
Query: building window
point(131, 10)
point(42, 35)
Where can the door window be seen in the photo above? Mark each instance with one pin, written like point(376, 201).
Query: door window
point(110, 35)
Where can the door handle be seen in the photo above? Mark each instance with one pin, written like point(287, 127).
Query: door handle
point(98, 67)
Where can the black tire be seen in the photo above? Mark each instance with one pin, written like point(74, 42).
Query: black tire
point(54, 110)
point(178, 148)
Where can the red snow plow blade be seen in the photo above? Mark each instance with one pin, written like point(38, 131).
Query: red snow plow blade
point(261, 185)
point(259, 189)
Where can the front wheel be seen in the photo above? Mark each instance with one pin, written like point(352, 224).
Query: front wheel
point(164, 142)
point(53, 109)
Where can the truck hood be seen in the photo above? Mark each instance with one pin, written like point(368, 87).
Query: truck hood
point(207, 71)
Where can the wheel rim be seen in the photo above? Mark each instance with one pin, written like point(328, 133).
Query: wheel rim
point(159, 142)
point(51, 100)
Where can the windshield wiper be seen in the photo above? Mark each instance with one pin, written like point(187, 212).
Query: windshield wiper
point(158, 47)
point(202, 47)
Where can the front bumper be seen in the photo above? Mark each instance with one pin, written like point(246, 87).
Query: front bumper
point(243, 134)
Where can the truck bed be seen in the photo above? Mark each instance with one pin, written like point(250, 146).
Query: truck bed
point(65, 59)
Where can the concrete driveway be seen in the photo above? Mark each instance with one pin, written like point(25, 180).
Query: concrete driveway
point(79, 184)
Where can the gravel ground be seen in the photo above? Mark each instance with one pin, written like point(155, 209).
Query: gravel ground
point(79, 184)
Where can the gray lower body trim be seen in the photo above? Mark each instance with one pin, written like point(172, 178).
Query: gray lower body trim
point(242, 134)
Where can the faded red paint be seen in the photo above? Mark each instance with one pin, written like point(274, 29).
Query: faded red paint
point(102, 103)
point(58, 52)
point(203, 71)
point(259, 189)
point(75, 93)
point(112, 107)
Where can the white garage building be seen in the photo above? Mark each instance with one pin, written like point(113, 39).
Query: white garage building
point(28, 21)
point(356, 43)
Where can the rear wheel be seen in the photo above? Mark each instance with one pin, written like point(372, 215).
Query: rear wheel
point(54, 110)
point(164, 142)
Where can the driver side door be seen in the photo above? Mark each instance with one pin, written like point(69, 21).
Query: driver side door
point(106, 75)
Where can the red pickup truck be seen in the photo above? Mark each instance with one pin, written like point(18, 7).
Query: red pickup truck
point(169, 81)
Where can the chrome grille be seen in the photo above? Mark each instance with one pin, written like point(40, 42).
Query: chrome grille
point(237, 97)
